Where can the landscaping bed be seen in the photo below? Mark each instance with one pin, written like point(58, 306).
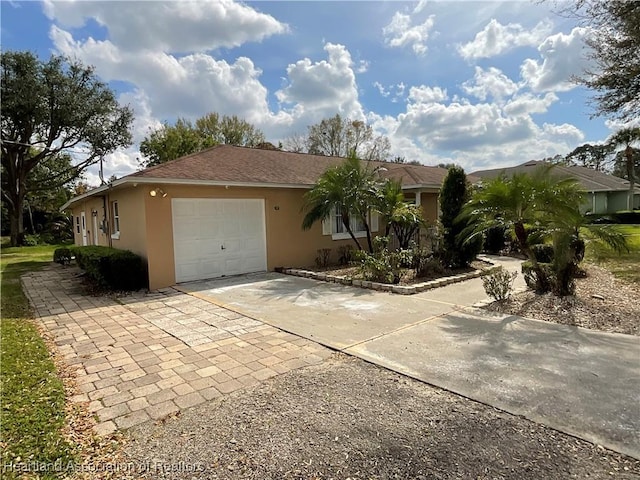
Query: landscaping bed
point(601, 302)
point(409, 284)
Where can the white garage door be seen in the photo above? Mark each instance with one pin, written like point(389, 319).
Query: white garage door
point(216, 237)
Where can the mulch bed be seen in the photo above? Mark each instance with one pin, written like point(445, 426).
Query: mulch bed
point(601, 302)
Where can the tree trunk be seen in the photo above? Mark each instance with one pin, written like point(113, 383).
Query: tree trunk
point(16, 221)
point(630, 174)
point(369, 242)
point(346, 221)
point(543, 283)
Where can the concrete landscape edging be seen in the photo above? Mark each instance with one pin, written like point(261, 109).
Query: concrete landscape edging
point(386, 287)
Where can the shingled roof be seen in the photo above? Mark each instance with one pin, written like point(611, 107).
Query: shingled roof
point(591, 180)
point(243, 165)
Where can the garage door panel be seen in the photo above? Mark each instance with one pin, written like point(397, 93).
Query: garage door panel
point(187, 271)
point(210, 269)
point(202, 226)
point(211, 229)
point(187, 250)
point(183, 208)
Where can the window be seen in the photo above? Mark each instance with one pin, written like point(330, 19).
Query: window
point(116, 221)
point(333, 226)
point(357, 225)
point(78, 224)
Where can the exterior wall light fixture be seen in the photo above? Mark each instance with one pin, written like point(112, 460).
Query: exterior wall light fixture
point(158, 192)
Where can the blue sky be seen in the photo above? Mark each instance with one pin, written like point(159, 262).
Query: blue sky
point(481, 84)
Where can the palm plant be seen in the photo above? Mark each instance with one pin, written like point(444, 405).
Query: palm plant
point(626, 138)
point(543, 203)
point(350, 188)
point(519, 205)
point(404, 218)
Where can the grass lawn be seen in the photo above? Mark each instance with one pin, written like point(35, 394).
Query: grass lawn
point(32, 395)
point(625, 265)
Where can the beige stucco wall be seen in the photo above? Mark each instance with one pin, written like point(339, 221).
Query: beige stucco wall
point(132, 219)
point(93, 209)
point(287, 244)
point(146, 225)
point(429, 203)
point(131, 206)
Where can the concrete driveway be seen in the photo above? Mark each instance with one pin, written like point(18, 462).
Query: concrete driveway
point(578, 381)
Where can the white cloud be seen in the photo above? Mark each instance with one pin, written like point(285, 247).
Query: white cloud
point(383, 91)
point(169, 26)
point(188, 86)
point(528, 103)
point(363, 66)
point(617, 124)
point(490, 83)
point(562, 56)
point(496, 39)
point(565, 132)
point(400, 32)
point(431, 127)
point(460, 127)
point(424, 94)
point(435, 130)
point(323, 88)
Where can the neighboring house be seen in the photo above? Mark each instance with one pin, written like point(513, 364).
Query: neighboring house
point(605, 193)
point(225, 211)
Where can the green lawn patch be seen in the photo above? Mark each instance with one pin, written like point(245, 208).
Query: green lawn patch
point(32, 395)
point(626, 265)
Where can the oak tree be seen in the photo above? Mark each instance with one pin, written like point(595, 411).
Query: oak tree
point(49, 109)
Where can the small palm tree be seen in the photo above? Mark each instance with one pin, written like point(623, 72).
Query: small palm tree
point(626, 138)
point(519, 204)
point(543, 203)
point(404, 218)
point(350, 188)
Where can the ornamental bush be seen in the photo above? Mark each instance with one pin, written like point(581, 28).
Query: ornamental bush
point(499, 283)
point(112, 268)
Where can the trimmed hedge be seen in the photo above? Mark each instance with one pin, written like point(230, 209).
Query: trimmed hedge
point(625, 217)
point(62, 256)
point(111, 267)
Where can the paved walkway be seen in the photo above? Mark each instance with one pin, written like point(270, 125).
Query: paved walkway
point(148, 356)
point(578, 381)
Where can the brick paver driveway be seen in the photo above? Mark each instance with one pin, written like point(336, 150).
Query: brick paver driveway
point(146, 356)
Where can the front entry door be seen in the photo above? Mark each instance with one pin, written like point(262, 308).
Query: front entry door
point(83, 228)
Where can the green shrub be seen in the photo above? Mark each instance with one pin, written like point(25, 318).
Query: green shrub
point(499, 283)
point(625, 217)
point(495, 240)
point(406, 257)
point(112, 268)
point(323, 258)
point(543, 252)
point(426, 264)
point(31, 240)
point(381, 266)
point(345, 254)
point(541, 280)
point(126, 271)
point(457, 250)
point(62, 256)
point(430, 268)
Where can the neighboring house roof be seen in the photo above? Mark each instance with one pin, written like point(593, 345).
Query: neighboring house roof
point(243, 166)
point(590, 179)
